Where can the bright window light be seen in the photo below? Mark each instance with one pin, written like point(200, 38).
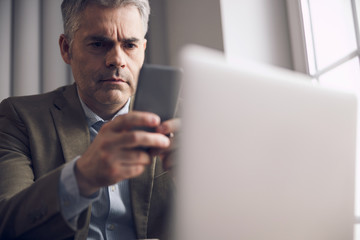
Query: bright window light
point(333, 30)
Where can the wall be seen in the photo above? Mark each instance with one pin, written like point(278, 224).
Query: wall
point(5, 40)
point(176, 23)
point(258, 30)
point(30, 60)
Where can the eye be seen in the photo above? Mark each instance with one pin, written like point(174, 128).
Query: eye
point(97, 44)
point(129, 45)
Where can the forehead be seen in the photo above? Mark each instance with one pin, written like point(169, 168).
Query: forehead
point(124, 21)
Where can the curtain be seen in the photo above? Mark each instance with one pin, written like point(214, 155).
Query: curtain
point(30, 60)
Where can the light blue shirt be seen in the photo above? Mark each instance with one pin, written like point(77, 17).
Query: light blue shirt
point(111, 216)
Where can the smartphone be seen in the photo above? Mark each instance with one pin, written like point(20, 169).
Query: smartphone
point(158, 91)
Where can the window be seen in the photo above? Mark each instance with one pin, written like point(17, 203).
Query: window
point(328, 48)
point(332, 45)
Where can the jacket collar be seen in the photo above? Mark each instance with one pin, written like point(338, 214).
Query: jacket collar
point(70, 123)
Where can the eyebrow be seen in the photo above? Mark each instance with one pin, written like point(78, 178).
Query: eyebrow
point(130, 40)
point(106, 39)
point(97, 38)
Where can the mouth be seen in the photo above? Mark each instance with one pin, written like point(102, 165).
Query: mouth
point(113, 80)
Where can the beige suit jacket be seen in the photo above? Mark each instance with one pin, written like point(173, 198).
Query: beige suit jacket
point(38, 135)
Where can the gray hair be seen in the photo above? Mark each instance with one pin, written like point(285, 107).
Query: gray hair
point(71, 11)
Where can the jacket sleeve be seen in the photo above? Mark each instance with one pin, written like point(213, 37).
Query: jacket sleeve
point(29, 206)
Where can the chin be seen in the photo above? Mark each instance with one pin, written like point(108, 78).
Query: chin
point(109, 98)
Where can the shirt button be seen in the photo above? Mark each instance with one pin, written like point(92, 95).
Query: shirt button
point(111, 227)
point(113, 188)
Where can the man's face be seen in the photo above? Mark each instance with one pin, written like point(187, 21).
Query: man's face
point(106, 55)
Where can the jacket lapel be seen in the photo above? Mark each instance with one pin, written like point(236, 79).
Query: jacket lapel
point(140, 192)
point(70, 123)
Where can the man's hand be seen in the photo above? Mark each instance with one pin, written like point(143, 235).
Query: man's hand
point(114, 154)
point(170, 128)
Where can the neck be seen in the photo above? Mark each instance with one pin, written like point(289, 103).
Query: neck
point(105, 111)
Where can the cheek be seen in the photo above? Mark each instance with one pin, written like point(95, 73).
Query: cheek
point(135, 75)
point(88, 69)
point(86, 63)
point(137, 62)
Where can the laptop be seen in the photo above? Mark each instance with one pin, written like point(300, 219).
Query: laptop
point(265, 154)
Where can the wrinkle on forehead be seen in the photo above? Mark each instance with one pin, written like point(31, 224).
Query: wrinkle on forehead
point(122, 22)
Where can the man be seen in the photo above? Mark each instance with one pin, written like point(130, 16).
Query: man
point(60, 176)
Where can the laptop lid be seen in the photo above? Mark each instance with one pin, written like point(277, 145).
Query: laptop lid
point(264, 154)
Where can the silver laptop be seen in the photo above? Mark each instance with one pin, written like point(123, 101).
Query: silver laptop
point(265, 154)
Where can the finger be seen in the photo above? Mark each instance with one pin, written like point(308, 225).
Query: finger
point(131, 171)
point(122, 172)
point(122, 166)
point(169, 126)
point(174, 145)
point(133, 139)
point(134, 119)
point(133, 157)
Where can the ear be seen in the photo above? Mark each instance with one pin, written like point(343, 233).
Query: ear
point(145, 43)
point(64, 48)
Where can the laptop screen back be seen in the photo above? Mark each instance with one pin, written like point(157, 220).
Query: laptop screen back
point(264, 154)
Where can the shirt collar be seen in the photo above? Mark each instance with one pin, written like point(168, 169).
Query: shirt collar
point(92, 117)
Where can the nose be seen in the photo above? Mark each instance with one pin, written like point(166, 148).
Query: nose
point(115, 58)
